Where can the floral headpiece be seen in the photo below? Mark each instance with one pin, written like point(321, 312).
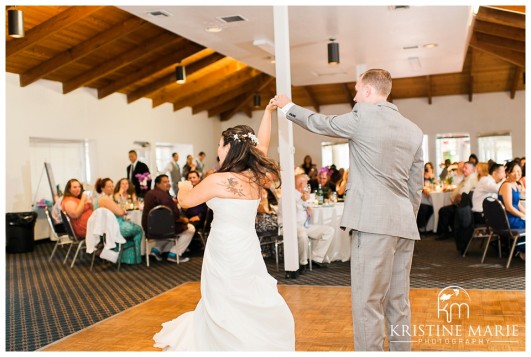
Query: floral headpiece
point(249, 136)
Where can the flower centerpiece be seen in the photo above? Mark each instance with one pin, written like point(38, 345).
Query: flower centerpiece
point(143, 180)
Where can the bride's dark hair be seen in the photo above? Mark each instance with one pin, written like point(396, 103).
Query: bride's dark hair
point(244, 155)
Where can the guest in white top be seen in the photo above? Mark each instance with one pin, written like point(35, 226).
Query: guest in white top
point(321, 235)
point(490, 179)
point(447, 213)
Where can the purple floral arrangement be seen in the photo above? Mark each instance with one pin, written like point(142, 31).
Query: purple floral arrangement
point(143, 179)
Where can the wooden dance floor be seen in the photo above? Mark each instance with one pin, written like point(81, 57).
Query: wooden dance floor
point(323, 321)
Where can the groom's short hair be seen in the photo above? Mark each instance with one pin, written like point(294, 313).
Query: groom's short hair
point(380, 79)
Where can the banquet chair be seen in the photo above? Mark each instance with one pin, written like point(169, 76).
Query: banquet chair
point(479, 230)
point(103, 232)
point(60, 240)
point(496, 219)
point(79, 241)
point(160, 226)
point(205, 229)
point(273, 238)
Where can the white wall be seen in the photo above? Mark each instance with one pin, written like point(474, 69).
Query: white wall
point(486, 113)
point(110, 124)
point(41, 110)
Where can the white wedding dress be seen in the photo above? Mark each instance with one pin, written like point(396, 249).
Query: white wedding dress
point(240, 307)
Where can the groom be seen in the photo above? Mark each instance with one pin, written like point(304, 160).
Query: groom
point(382, 198)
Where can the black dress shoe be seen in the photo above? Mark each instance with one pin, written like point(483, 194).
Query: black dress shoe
point(319, 265)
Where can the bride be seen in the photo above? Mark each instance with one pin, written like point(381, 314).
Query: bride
point(240, 307)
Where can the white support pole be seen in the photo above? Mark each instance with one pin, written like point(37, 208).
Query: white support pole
point(285, 140)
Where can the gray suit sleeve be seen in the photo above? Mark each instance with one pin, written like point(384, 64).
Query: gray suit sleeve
point(338, 126)
point(416, 180)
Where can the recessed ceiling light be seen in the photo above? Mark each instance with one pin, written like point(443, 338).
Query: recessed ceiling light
point(214, 29)
point(430, 45)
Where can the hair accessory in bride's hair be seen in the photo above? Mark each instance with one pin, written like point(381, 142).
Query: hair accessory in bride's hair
point(250, 136)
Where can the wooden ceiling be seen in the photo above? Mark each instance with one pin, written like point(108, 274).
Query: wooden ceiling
point(110, 50)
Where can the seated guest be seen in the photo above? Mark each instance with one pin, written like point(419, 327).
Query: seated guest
point(307, 165)
point(189, 166)
point(321, 235)
point(125, 195)
point(160, 195)
point(509, 195)
point(444, 172)
point(128, 229)
point(196, 215)
point(473, 159)
point(314, 184)
point(341, 185)
point(457, 175)
point(323, 178)
point(77, 207)
point(334, 174)
point(266, 217)
point(447, 213)
point(429, 175)
point(425, 210)
point(488, 185)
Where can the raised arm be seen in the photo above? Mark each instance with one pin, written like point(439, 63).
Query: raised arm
point(264, 132)
point(73, 209)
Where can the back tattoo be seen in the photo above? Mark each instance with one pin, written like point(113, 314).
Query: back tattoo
point(233, 186)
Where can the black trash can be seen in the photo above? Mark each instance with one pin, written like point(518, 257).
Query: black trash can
point(20, 231)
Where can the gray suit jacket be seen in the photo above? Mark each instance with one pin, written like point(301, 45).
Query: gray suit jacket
point(385, 179)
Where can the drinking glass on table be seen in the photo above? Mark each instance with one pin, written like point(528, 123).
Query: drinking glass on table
point(333, 197)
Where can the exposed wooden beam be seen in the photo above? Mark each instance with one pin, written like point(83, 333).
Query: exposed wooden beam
point(507, 18)
point(216, 96)
point(66, 18)
point(225, 107)
point(246, 100)
point(499, 30)
point(514, 57)
point(511, 8)
point(168, 92)
point(350, 97)
point(183, 50)
point(471, 75)
point(517, 77)
point(81, 50)
point(428, 89)
point(143, 49)
point(226, 73)
point(170, 78)
point(313, 100)
point(501, 42)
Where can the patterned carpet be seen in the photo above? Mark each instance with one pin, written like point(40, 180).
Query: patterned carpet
point(46, 301)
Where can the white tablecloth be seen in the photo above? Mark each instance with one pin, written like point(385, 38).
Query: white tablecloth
point(331, 216)
point(437, 199)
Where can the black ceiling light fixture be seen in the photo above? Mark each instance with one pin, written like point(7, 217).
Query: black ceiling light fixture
point(180, 74)
point(15, 19)
point(257, 100)
point(333, 52)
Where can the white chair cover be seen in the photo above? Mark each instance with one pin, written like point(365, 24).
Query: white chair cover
point(103, 221)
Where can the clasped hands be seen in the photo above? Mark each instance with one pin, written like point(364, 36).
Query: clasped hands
point(278, 101)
